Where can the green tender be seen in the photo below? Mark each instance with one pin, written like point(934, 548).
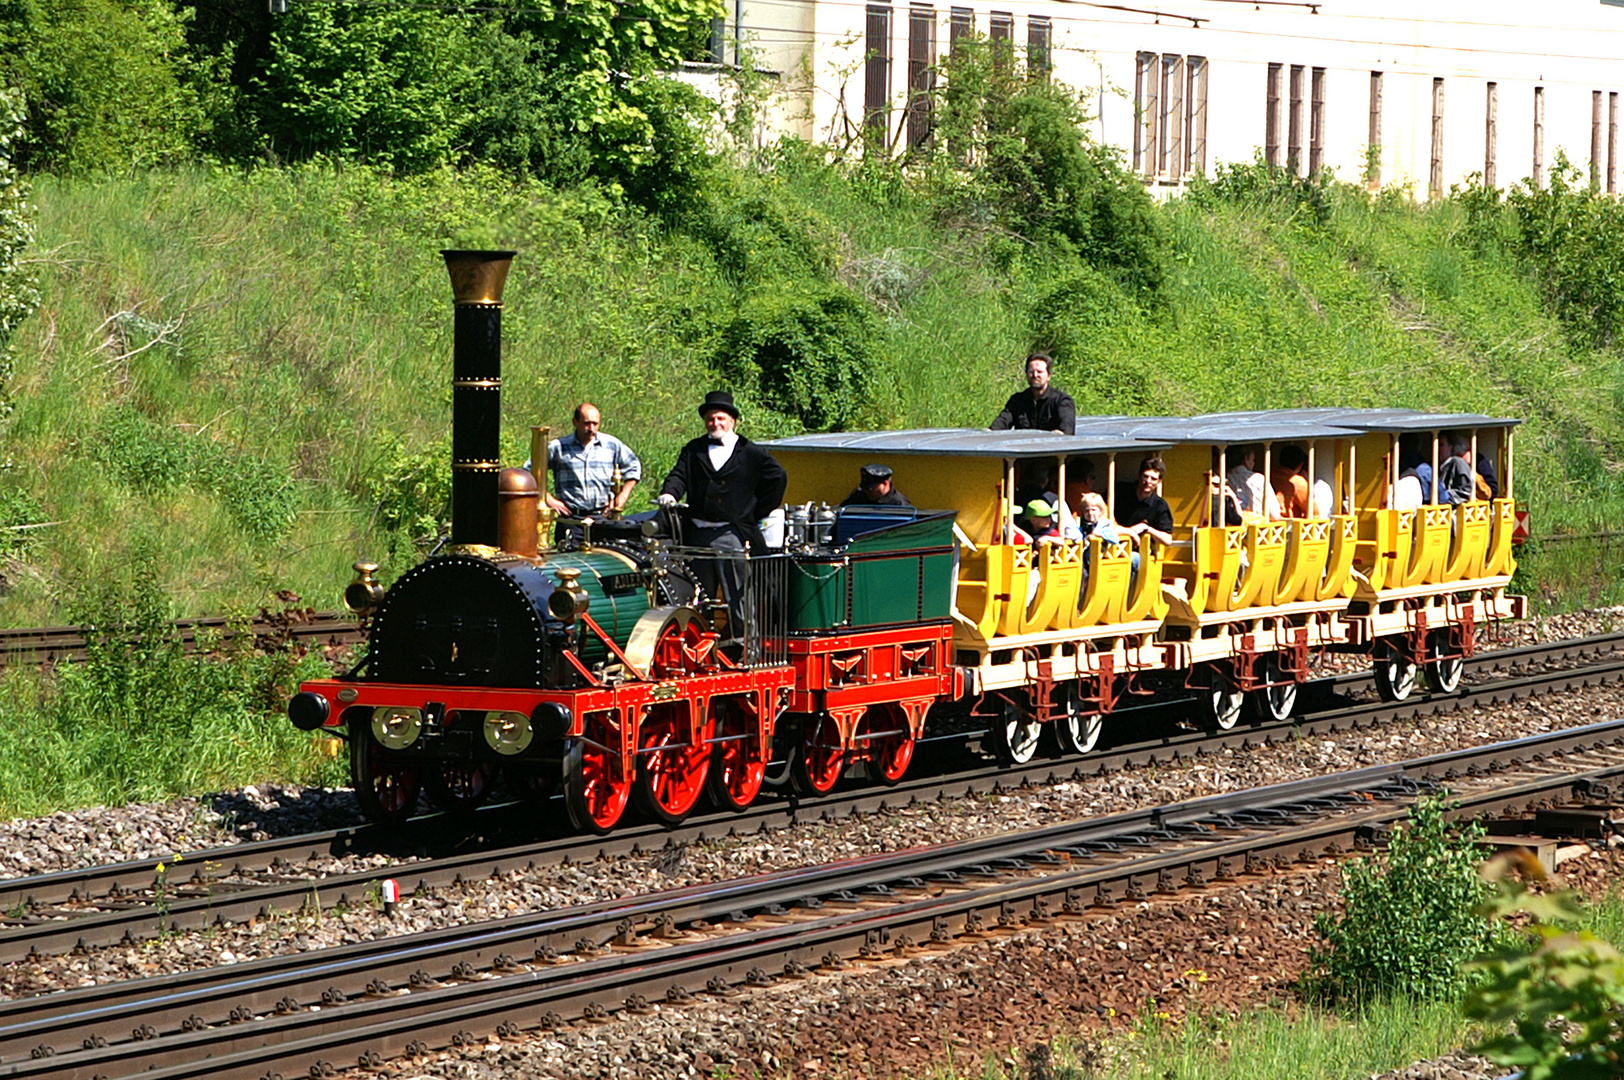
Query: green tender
point(898, 574)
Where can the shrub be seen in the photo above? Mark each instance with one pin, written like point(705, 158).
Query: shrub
point(413, 494)
point(1258, 185)
point(807, 354)
point(1572, 239)
point(1410, 919)
point(19, 295)
point(20, 513)
point(1082, 321)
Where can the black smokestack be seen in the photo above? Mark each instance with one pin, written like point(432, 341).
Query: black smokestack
point(477, 278)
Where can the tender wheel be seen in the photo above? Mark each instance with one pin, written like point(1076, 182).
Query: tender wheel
point(820, 758)
point(738, 764)
point(671, 769)
point(888, 742)
point(1394, 671)
point(460, 787)
point(1444, 672)
point(596, 788)
point(1014, 735)
point(1276, 700)
point(1076, 731)
point(386, 790)
point(1221, 702)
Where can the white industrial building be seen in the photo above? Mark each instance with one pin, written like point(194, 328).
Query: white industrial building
point(1440, 90)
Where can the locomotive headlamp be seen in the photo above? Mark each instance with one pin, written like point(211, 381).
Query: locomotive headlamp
point(396, 729)
point(508, 732)
point(363, 594)
point(569, 601)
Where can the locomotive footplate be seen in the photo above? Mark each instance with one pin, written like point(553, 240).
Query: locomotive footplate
point(873, 667)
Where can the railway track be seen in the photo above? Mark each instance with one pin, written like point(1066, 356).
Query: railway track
point(311, 1013)
point(51, 644)
point(55, 913)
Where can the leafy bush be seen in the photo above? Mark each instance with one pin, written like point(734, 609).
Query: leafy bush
point(1082, 321)
point(1257, 184)
point(1554, 999)
point(413, 494)
point(1410, 919)
point(20, 514)
point(1572, 239)
point(807, 354)
point(18, 292)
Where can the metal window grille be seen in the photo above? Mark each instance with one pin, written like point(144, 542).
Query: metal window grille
point(877, 75)
point(1001, 35)
point(921, 73)
point(1373, 141)
point(1435, 180)
point(1039, 47)
point(1539, 136)
point(1172, 119)
point(1491, 135)
point(1316, 120)
point(1271, 116)
point(1195, 136)
point(1145, 113)
point(1294, 131)
point(961, 23)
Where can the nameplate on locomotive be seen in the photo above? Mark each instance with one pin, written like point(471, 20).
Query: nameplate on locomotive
point(620, 583)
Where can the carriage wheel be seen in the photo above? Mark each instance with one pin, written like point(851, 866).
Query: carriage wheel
point(386, 790)
point(820, 759)
point(596, 787)
point(460, 787)
point(1394, 671)
point(671, 770)
point(1276, 699)
point(1076, 731)
point(1444, 672)
point(1220, 701)
point(1014, 735)
point(889, 743)
point(738, 765)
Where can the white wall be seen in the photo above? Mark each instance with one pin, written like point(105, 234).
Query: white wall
point(1571, 48)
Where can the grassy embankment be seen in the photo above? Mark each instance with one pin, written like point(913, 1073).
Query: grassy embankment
point(245, 376)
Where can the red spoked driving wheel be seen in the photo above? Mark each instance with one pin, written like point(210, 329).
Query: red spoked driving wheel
point(671, 766)
point(460, 787)
point(888, 742)
point(738, 765)
point(820, 758)
point(597, 787)
point(386, 790)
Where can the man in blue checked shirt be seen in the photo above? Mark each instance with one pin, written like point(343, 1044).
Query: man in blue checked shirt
point(583, 467)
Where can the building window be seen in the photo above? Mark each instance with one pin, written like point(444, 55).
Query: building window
point(1039, 47)
point(1316, 121)
point(1196, 112)
point(921, 72)
point(1146, 109)
point(1595, 140)
point(1491, 134)
point(1294, 132)
point(1271, 117)
point(1539, 136)
point(1001, 33)
point(1612, 143)
point(961, 23)
point(1373, 141)
point(1435, 179)
point(877, 76)
point(1172, 117)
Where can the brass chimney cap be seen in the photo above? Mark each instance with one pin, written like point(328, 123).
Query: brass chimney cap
point(477, 277)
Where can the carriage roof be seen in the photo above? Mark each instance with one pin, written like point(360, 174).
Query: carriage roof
point(1108, 435)
point(1365, 420)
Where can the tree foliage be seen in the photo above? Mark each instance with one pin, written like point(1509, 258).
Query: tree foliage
point(1572, 238)
point(18, 292)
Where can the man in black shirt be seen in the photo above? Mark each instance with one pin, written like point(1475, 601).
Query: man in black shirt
point(874, 488)
point(1043, 407)
point(1147, 512)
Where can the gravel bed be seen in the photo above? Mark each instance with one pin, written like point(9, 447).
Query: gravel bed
point(934, 1009)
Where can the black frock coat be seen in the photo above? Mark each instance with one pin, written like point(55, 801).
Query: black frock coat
point(748, 486)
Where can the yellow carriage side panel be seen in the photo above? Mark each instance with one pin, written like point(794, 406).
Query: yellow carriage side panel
point(1429, 546)
point(1310, 550)
point(967, 484)
point(1184, 485)
point(1384, 548)
point(1370, 470)
point(1111, 567)
point(1060, 569)
point(1266, 558)
point(1145, 599)
point(1502, 555)
point(1471, 521)
point(1338, 580)
point(1013, 592)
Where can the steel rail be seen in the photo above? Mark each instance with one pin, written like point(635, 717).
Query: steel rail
point(1206, 839)
point(204, 900)
point(49, 644)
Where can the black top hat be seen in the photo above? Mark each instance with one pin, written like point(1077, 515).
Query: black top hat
point(719, 399)
point(874, 474)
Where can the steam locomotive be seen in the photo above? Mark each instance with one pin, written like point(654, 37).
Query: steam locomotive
point(605, 670)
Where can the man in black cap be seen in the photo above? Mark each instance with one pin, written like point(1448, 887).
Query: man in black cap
point(731, 484)
point(874, 488)
point(1042, 407)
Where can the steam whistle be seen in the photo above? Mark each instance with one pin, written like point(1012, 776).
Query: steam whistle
point(616, 483)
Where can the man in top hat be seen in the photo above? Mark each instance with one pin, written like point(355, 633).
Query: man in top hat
point(874, 488)
point(731, 484)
